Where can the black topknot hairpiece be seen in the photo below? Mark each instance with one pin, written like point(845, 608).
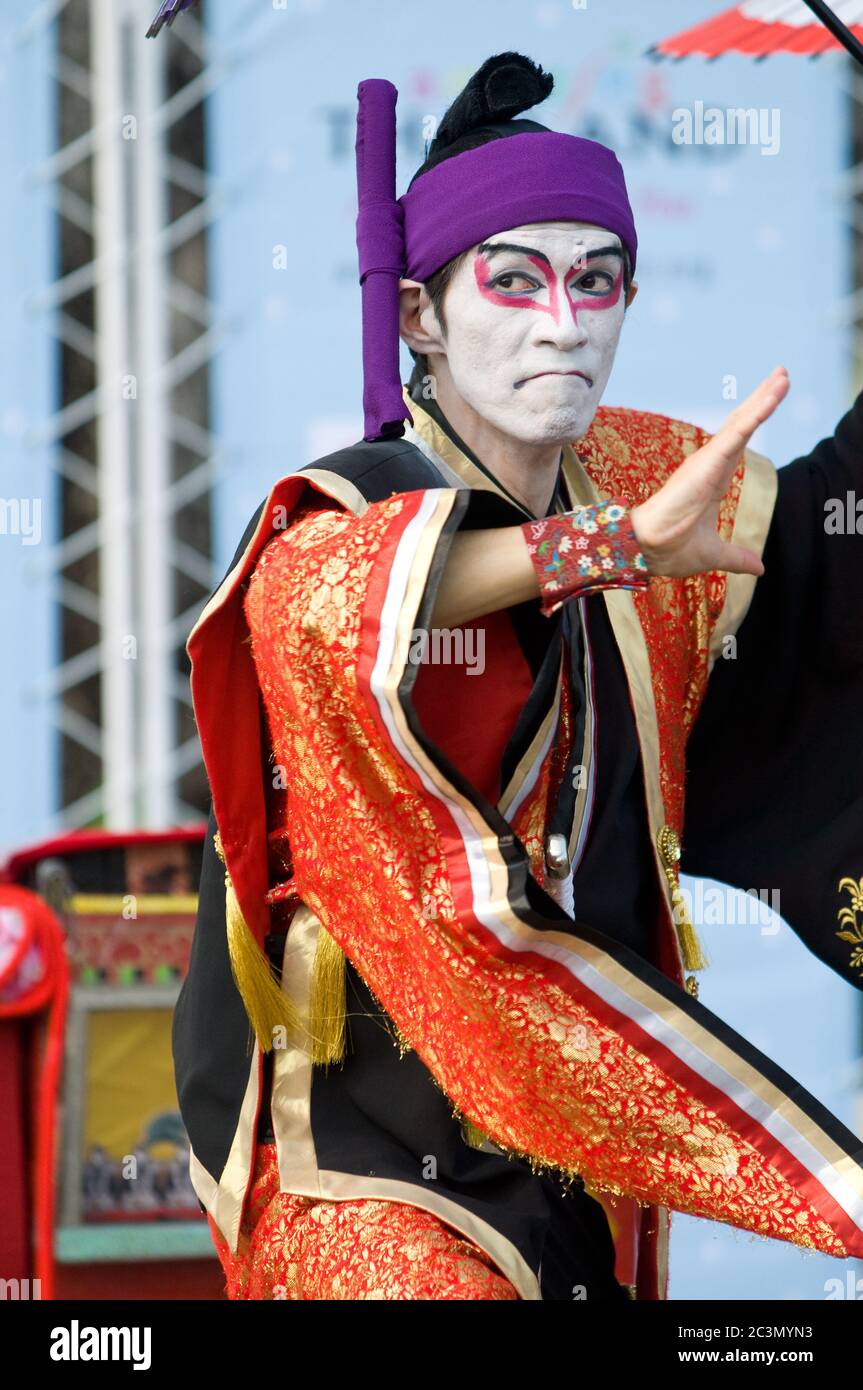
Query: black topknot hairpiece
point(503, 87)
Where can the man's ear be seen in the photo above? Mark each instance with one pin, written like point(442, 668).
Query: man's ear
point(418, 322)
point(633, 291)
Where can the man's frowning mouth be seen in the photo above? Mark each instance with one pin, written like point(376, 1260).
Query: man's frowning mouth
point(534, 376)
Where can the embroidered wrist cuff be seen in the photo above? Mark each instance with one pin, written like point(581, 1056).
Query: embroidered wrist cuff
point(584, 550)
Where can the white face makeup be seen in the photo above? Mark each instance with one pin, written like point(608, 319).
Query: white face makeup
point(533, 321)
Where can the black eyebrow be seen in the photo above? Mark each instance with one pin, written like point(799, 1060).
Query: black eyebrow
point(488, 248)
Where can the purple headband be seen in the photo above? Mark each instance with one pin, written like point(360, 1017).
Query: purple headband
point(538, 176)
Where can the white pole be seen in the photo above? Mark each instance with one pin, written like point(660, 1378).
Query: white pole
point(157, 734)
point(115, 481)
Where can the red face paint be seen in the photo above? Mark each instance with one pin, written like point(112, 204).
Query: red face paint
point(596, 301)
point(483, 272)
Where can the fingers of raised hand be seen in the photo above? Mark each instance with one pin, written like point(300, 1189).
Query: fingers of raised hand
point(720, 455)
point(744, 420)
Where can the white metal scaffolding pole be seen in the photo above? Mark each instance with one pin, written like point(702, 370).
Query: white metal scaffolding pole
point(133, 326)
point(155, 519)
point(115, 472)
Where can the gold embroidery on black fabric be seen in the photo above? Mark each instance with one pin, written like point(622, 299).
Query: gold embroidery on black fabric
point(852, 917)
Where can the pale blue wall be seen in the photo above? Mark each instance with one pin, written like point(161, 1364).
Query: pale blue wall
point(28, 746)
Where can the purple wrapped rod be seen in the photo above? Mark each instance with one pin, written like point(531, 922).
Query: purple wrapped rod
point(536, 176)
point(168, 12)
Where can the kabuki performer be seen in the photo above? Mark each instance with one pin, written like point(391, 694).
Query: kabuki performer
point(440, 1036)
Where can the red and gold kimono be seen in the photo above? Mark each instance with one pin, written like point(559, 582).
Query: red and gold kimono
point(468, 884)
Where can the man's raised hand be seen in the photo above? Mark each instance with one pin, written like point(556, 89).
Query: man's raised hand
point(676, 528)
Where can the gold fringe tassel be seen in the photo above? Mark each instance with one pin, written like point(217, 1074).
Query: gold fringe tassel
point(472, 1134)
point(327, 1001)
point(691, 948)
point(268, 1007)
point(668, 842)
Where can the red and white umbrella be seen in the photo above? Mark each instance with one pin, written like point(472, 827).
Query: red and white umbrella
point(761, 27)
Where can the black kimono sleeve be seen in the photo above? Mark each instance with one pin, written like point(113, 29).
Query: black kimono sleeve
point(211, 1037)
point(775, 761)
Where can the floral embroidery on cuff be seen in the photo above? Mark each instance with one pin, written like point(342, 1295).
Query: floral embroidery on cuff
point(582, 551)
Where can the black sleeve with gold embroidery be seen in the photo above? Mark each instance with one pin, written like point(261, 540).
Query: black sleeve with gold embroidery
point(775, 762)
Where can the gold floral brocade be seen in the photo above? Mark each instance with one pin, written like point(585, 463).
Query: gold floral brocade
point(678, 616)
point(303, 1248)
point(524, 1058)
